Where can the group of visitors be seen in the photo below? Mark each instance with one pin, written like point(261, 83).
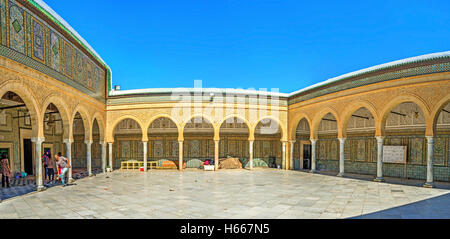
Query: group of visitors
point(49, 166)
point(62, 163)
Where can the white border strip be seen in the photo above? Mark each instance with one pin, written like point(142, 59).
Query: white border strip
point(63, 22)
point(255, 92)
point(374, 68)
point(238, 91)
point(195, 90)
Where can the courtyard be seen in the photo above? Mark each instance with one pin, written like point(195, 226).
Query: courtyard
point(257, 194)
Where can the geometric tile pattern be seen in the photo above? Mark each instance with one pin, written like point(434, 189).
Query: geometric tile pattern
point(34, 39)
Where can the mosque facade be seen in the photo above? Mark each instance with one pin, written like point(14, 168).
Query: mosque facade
point(390, 120)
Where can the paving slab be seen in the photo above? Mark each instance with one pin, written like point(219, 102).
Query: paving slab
point(261, 193)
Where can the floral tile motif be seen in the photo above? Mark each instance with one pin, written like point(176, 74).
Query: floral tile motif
point(361, 150)
point(68, 56)
point(194, 148)
point(158, 148)
point(55, 56)
point(17, 29)
point(38, 41)
point(439, 151)
point(416, 151)
point(334, 150)
point(24, 32)
point(174, 145)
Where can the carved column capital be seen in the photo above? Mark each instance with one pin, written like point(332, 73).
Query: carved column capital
point(37, 140)
point(380, 138)
point(68, 141)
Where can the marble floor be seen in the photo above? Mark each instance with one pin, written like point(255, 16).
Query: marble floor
point(262, 193)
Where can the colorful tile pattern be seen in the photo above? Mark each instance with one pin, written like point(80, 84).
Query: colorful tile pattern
point(17, 28)
point(29, 35)
point(38, 41)
point(55, 52)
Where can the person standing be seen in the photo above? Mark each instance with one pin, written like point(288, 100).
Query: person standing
point(50, 169)
point(44, 161)
point(65, 165)
point(6, 171)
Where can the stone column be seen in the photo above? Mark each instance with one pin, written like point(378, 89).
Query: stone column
point(68, 143)
point(313, 155)
point(38, 154)
point(430, 152)
point(250, 149)
point(379, 177)
point(180, 155)
point(283, 155)
point(110, 145)
point(216, 155)
point(341, 157)
point(103, 144)
point(291, 155)
point(88, 157)
point(144, 145)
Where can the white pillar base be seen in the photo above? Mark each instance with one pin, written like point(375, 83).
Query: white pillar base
point(379, 179)
point(103, 146)
point(283, 156)
point(313, 155)
point(110, 154)
point(429, 185)
point(68, 143)
point(180, 155)
point(250, 148)
point(144, 144)
point(430, 153)
point(291, 154)
point(341, 157)
point(216, 155)
point(380, 140)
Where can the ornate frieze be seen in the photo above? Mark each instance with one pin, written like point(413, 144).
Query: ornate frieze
point(34, 43)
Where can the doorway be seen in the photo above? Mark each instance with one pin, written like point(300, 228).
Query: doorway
point(28, 156)
point(6, 150)
point(306, 156)
point(48, 149)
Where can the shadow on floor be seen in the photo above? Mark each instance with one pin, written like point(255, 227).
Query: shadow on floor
point(20, 187)
point(390, 180)
point(433, 208)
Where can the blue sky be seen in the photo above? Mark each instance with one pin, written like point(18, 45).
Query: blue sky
point(253, 44)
